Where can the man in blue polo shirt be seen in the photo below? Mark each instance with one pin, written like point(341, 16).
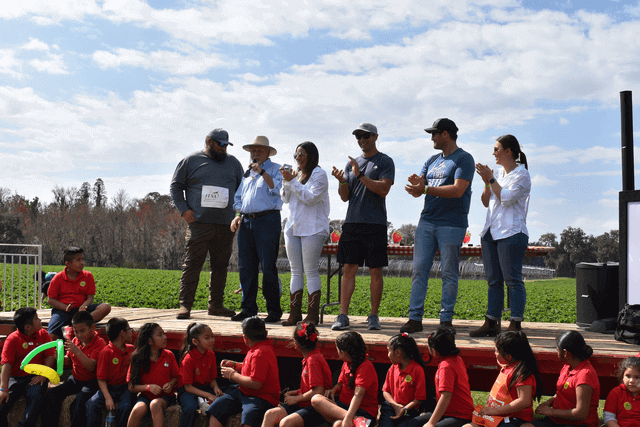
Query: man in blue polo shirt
point(258, 204)
point(445, 181)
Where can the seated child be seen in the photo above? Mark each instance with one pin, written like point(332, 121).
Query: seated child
point(405, 386)
point(14, 382)
point(83, 352)
point(357, 386)
point(258, 383)
point(198, 372)
point(153, 373)
point(622, 408)
point(111, 371)
point(70, 291)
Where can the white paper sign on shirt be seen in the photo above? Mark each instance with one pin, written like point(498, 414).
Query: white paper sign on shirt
point(214, 197)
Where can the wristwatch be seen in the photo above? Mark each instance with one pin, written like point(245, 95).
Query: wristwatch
point(492, 180)
point(261, 171)
point(361, 174)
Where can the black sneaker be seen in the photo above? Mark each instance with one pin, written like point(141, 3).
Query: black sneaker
point(240, 316)
point(412, 326)
point(272, 318)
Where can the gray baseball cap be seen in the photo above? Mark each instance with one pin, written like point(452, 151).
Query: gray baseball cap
point(220, 136)
point(366, 127)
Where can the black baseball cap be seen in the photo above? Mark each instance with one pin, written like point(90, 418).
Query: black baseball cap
point(442, 124)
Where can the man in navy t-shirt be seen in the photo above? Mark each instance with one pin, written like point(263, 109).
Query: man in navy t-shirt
point(364, 183)
point(445, 180)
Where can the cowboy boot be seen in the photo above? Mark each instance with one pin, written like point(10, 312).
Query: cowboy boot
point(490, 328)
point(296, 309)
point(515, 325)
point(313, 309)
point(216, 303)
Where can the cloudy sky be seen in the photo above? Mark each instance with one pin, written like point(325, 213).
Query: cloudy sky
point(123, 89)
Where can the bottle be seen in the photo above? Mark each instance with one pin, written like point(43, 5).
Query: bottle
point(110, 420)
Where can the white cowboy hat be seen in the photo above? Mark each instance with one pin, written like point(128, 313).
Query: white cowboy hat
point(262, 141)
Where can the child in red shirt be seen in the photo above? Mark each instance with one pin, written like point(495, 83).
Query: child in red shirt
point(70, 291)
point(453, 394)
point(622, 408)
point(198, 372)
point(153, 374)
point(357, 386)
point(405, 387)
point(511, 398)
point(296, 411)
point(83, 353)
point(577, 389)
point(258, 383)
point(14, 382)
point(113, 364)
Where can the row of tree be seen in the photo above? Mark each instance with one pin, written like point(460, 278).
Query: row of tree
point(149, 232)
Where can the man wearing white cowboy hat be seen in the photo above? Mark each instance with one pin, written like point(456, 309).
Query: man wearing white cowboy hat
point(202, 191)
point(257, 203)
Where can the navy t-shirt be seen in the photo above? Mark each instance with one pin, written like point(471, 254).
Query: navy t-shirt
point(440, 171)
point(366, 207)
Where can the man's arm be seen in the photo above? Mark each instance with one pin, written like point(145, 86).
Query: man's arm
point(380, 187)
point(450, 191)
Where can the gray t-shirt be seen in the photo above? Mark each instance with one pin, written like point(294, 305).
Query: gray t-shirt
point(209, 187)
point(365, 206)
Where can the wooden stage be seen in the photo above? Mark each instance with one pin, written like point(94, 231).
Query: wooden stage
point(478, 353)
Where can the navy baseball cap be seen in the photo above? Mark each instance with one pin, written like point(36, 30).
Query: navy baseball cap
point(220, 136)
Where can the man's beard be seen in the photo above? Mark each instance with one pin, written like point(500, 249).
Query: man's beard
point(219, 157)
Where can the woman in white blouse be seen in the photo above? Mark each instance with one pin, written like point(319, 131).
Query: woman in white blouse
point(505, 236)
point(307, 193)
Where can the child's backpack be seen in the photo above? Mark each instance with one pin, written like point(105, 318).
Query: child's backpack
point(45, 285)
point(628, 327)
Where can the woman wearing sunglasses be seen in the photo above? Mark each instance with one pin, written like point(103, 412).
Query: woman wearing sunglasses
point(306, 191)
point(505, 236)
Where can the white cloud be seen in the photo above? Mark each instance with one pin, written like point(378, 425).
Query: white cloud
point(611, 192)
point(538, 180)
point(9, 64)
point(166, 61)
point(250, 77)
point(35, 44)
point(563, 121)
point(609, 203)
point(53, 64)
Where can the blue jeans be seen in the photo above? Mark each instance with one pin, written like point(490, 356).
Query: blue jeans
point(386, 412)
point(258, 245)
point(35, 395)
point(234, 401)
point(502, 261)
point(303, 253)
point(189, 404)
point(430, 238)
point(121, 396)
point(83, 390)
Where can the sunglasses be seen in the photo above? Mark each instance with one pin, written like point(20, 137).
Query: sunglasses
point(296, 155)
point(363, 135)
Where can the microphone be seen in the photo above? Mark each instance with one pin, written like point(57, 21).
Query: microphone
point(248, 172)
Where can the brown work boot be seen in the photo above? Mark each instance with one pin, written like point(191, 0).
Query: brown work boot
point(449, 325)
point(412, 326)
point(295, 304)
point(313, 308)
point(216, 303)
point(183, 313)
point(515, 325)
point(490, 328)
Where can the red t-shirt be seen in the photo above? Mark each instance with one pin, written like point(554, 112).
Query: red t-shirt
point(566, 386)
point(261, 365)
point(69, 291)
point(315, 372)
point(367, 378)
point(198, 369)
point(160, 372)
point(92, 351)
point(113, 364)
point(406, 386)
point(624, 405)
point(18, 345)
point(452, 376)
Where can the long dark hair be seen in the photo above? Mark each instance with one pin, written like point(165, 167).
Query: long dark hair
point(306, 336)
point(141, 357)
point(510, 141)
point(313, 157)
point(409, 348)
point(352, 343)
point(194, 330)
point(574, 343)
point(516, 345)
point(443, 341)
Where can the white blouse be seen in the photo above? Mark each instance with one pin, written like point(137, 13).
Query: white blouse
point(508, 216)
point(308, 204)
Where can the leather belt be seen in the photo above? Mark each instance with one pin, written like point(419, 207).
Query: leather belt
point(258, 214)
